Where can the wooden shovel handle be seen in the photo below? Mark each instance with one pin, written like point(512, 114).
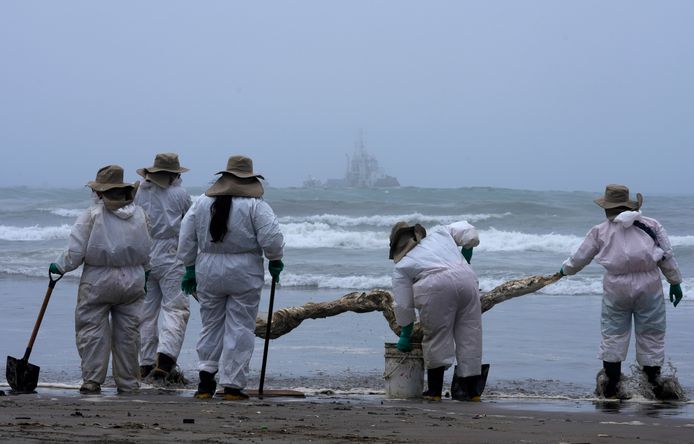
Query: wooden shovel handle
point(49, 291)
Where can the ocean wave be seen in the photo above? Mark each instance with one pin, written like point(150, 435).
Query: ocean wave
point(333, 231)
point(339, 220)
point(66, 212)
point(322, 235)
point(570, 286)
point(497, 240)
point(355, 282)
point(34, 232)
point(682, 241)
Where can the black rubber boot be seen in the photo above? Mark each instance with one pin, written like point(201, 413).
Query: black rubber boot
point(454, 381)
point(234, 394)
point(165, 364)
point(469, 388)
point(434, 384)
point(653, 373)
point(207, 386)
point(613, 371)
point(465, 388)
point(145, 370)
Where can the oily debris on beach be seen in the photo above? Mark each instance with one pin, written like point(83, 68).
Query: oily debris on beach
point(160, 418)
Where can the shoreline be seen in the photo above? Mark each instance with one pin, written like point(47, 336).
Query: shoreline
point(62, 415)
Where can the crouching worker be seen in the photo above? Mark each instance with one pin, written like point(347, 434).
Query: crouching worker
point(166, 310)
point(432, 276)
point(111, 238)
point(223, 239)
point(634, 249)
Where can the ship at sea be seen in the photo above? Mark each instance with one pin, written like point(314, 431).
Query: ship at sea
point(363, 171)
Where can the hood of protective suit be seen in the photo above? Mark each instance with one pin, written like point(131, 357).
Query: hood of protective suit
point(627, 218)
point(125, 212)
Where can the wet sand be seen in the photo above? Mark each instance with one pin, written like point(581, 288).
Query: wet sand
point(62, 416)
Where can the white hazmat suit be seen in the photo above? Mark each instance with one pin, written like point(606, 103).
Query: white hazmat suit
point(632, 286)
point(434, 278)
point(230, 277)
point(165, 208)
point(114, 247)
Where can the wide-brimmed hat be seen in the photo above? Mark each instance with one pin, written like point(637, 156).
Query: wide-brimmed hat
point(108, 177)
point(237, 180)
point(403, 238)
point(240, 166)
point(167, 162)
point(618, 196)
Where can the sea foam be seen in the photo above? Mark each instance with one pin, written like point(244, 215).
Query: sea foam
point(387, 220)
point(67, 212)
point(34, 232)
point(324, 235)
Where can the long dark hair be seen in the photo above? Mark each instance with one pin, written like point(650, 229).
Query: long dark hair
point(220, 211)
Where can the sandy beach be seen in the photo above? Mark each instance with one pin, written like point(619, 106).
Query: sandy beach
point(55, 415)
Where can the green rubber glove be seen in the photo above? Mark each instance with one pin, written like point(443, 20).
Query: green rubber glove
point(467, 254)
point(53, 268)
point(189, 284)
point(404, 342)
point(275, 268)
point(675, 294)
point(146, 279)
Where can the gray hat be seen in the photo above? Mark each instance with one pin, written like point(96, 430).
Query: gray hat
point(108, 177)
point(164, 162)
point(404, 238)
point(237, 180)
point(618, 196)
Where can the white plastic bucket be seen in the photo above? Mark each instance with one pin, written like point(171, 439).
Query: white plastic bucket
point(404, 373)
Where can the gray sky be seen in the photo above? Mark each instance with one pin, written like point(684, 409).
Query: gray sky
point(521, 94)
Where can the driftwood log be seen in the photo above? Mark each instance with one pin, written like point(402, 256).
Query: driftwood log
point(287, 319)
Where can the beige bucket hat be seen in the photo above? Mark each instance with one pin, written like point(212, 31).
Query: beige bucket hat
point(237, 180)
point(164, 162)
point(618, 196)
point(404, 238)
point(108, 177)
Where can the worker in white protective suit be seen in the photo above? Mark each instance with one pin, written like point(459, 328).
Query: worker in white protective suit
point(432, 276)
point(165, 311)
point(223, 239)
point(111, 238)
point(634, 249)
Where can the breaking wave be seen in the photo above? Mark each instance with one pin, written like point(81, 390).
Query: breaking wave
point(355, 282)
point(34, 233)
point(323, 235)
point(497, 240)
point(67, 212)
point(682, 241)
point(388, 220)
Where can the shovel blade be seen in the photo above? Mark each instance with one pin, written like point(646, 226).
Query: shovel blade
point(22, 376)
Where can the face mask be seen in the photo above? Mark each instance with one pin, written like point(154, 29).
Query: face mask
point(162, 179)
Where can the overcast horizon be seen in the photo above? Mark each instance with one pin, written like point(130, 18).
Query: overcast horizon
point(537, 95)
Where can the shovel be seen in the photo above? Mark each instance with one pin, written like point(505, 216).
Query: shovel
point(21, 375)
point(267, 340)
